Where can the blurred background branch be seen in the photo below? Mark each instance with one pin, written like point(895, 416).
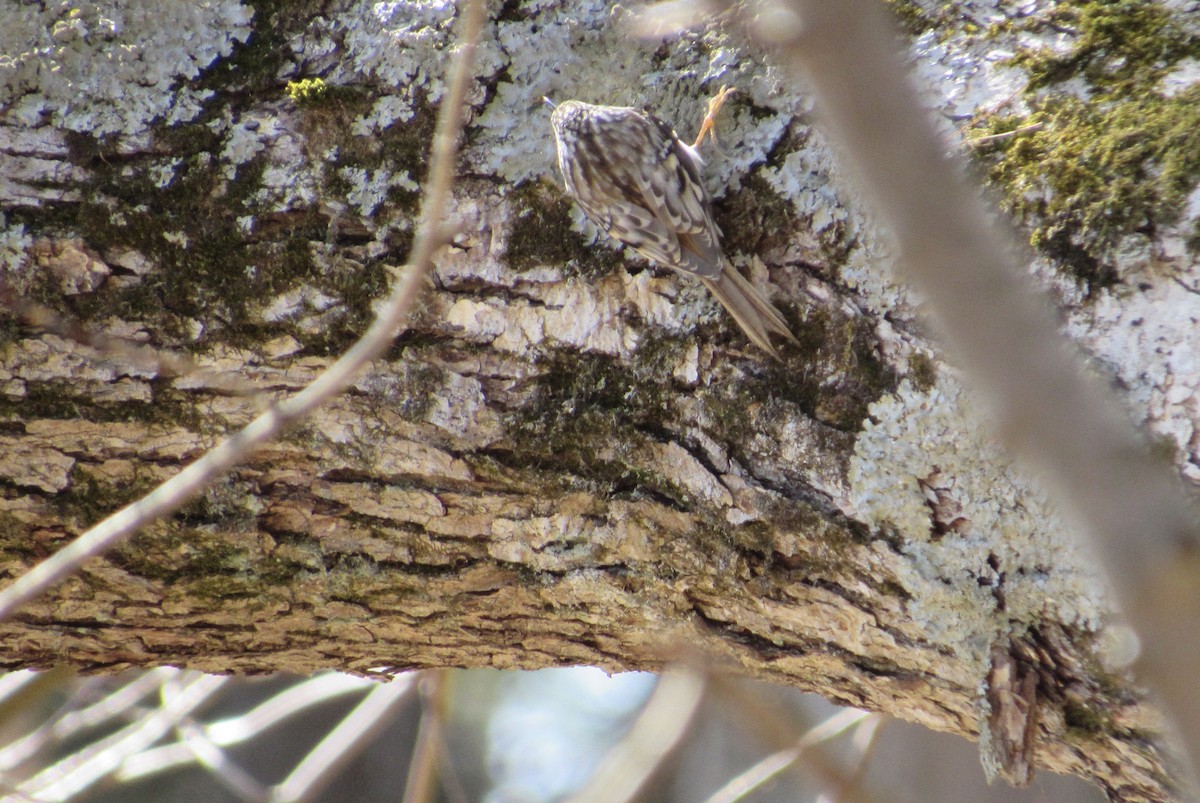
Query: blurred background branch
point(1063, 423)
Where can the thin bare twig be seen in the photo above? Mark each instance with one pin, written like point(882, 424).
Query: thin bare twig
point(754, 777)
point(864, 740)
point(655, 734)
point(431, 237)
point(341, 745)
point(427, 756)
point(243, 728)
point(193, 738)
point(775, 727)
point(977, 141)
point(78, 772)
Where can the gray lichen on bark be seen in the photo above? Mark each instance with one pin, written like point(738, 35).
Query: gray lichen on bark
point(567, 457)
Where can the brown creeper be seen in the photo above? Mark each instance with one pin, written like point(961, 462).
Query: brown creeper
point(635, 179)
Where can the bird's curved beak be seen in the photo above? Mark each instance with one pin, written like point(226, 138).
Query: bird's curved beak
point(549, 102)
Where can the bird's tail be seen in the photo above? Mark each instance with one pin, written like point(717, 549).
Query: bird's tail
point(750, 308)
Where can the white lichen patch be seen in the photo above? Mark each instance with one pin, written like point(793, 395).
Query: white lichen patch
point(163, 171)
point(245, 140)
point(585, 52)
point(178, 239)
point(986, 553)
point(15, 244)
point(804, 178)
point(405, 46)
point(1146, 337)
point(960, 73)
point(291, 177)
point(386, 110)
point(1183, 75)
point(369, 188)
point(294, 303)
point(112, 67)
point(460, 409)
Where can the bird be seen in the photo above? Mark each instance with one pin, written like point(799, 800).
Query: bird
point(635, 179)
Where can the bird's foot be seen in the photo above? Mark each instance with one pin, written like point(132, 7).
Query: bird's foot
point(714, 106)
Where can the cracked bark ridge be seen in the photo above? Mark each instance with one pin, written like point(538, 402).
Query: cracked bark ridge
point(467, 506)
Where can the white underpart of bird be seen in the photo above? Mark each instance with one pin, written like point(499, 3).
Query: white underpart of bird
point(635, 179)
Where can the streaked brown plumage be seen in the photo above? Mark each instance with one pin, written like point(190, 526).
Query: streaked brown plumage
point(635, 179)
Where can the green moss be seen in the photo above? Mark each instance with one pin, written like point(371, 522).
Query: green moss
point(541, 236)
point(402, 147)
point(407, 145)
point(1088, 173)
point(232, 586)
point(756, 539)
point(755, 219)
point(11, 328)
point(922, 371)
point(228, 504)
point(590, 420)
point(1164, 448)
point(1095, 173)
point(356, 286)
point(593, 414)
point(207, 270)
point(87, 500)
point(416, 384)
point(835, 372)
point(353, 585)
point(306, 92)
point(1120, 46)
point(17, 537)
point(64, 401)
point(911, 17)
point(58, 401)
point(1085, 720)
point(945, 20)
point(730, 407)
point(169, 552)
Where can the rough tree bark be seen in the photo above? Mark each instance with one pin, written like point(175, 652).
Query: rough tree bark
point(569, 457)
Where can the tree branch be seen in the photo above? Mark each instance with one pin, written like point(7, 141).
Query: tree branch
point(176, 492)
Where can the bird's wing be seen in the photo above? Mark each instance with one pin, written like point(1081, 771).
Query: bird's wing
point(671, 185)
point(651, 198)
point(643, 231)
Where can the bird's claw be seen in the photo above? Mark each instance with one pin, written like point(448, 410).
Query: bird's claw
point(710, 118)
